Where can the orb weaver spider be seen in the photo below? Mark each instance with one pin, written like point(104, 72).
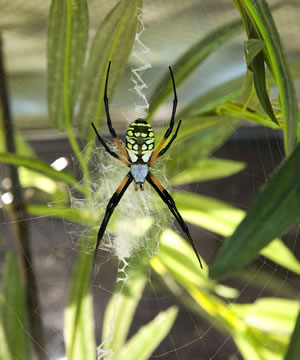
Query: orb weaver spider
point(139, 156)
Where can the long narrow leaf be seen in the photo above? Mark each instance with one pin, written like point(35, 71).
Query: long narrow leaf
point(272, 213)
point(79, 216)
point(293, 350)
point(67, 42)
point(112, 42)
point(223, 219)
point(79, 321)
point(187, 63)
point(262, 19)
point(227, 91)
point(120, 310)
point(142, 345)
point(14, 317)
point(39, 166)
point(199, 145)
point(207, 169)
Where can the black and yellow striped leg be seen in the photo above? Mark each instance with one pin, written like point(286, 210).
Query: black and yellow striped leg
point(109, 123)
point(113, 202)
point(170, 128)
point(168, 200)
point(112, 153)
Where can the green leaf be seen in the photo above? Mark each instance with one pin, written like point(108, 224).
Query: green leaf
point(142, 345)
point(79, 318)
point(252, 48)
point(207, 169)
point(227, 91)
point(277, 251)
point(256, 62)
point(272, 213)
point(4, 351)
point(201, 144)
point(223, 219)
point(38, 166)
point(178, 257)
point(80, 216)
point(14, 317)
point(121, 309)
point(261, 17)
point(187, 63)
point(271, 315)
point(113, 41)
point(67, 42)
point(207, 212)
point(293, 350)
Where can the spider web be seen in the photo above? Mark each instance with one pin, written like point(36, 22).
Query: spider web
point(194, 336)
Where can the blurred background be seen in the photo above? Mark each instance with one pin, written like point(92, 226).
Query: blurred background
point(172, 26)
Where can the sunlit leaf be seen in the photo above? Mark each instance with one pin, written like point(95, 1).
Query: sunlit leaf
point(207, 169)
point(208, 213)
point(81, 216)
point(39, 166)
point(67, 42)
point(178, 258)
point(121, 309)
point(281, 254)
point(274, 210)
point(145, 341)
point(223, 219)
point(112, 42)
point(272, 315)
point(79, 318)
point(14, 317)
point(293, 350)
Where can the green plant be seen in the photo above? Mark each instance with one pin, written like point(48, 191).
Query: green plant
point(207, 123)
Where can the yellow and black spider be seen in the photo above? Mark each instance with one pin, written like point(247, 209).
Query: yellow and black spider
point(139, 156)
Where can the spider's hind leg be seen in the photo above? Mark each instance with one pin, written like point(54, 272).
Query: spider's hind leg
point(113, 202)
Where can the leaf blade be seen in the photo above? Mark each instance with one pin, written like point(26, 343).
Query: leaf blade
point(276, 207)
point(262, 19)
point(14, 316)
point(39, 166)
point(112, 42)
point(67, 43)
point(191, 59)
point(142, 344)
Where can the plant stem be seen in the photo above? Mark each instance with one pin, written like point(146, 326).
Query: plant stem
point(22, 226)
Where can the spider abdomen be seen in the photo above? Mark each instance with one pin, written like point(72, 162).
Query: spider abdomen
point(139, 172)
point(139, 141)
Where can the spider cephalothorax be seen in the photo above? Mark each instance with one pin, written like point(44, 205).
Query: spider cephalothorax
point(139, 141)
point(139, 156)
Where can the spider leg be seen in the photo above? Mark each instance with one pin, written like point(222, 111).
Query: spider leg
point(170, 128)
point(112, 153)
point(113, 202)
point(109, 123)
point(168, 200)
point(153, 159)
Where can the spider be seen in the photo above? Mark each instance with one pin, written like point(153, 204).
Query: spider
point(139, 157)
